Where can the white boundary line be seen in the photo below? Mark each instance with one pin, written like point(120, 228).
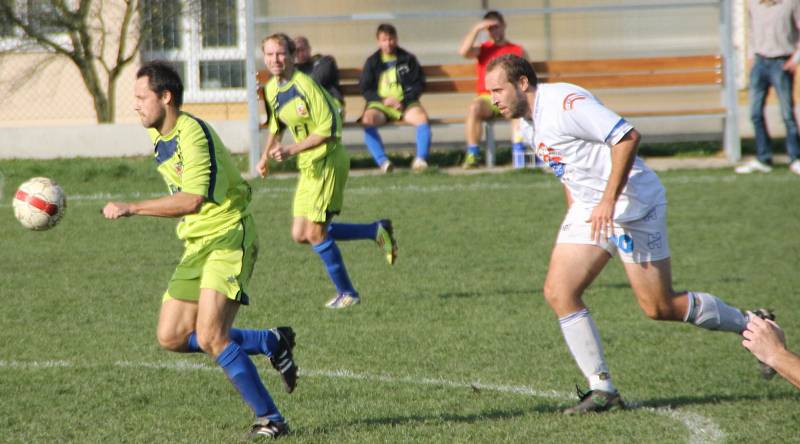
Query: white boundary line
point(701, 429)
point(479, 185)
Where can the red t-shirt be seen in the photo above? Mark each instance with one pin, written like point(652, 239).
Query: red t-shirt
point(488, 52)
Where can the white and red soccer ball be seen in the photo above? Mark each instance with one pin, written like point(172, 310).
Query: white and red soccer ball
point(39, 203)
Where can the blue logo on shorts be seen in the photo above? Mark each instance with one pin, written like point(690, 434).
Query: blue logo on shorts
point(624, 242)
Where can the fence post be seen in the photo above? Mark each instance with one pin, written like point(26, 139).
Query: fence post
point(250, 84)
point(731, 141)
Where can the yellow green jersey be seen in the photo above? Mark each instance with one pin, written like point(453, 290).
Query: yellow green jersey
point(193, 159)
point(305, 108)
point(388, 84)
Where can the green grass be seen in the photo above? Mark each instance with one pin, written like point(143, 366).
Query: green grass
point(79, 361)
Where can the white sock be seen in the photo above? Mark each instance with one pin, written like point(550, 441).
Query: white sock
point(709, 312)
point(583, 341)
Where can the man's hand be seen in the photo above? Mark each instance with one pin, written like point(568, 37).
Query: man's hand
point(115, 210)
point(790, 65)
point(281, 152)
point(486, 24)
point(262, 168)
point(602, 220)
point(764, 339)
point(391, 102)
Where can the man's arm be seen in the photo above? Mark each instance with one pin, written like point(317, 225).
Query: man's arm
point(176, 205)
point(368, 83)
point(283, 152)
point(263, 163)
point(468, 49)
point(623, 155)
point(766, 341)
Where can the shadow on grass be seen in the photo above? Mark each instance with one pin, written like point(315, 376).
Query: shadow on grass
point(685, 401)
point(481, 294)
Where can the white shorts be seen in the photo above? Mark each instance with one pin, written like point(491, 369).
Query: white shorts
point(641, 240)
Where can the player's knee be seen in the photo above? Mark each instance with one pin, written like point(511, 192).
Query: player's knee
point(659, 312)
point(369, 120)
point(211, 341)
point(170, 341)
point(299, 237)
point(475, 110)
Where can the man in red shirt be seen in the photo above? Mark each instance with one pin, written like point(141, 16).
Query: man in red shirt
point(481, 108)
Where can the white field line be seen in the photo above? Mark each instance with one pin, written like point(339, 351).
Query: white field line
point(701, 429)
point(478, 186)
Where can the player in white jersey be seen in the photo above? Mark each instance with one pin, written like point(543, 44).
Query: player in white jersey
point(616, 204)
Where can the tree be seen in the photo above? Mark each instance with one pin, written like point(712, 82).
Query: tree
point(100, 37)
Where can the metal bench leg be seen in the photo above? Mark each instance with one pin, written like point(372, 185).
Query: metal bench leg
point(490, 145)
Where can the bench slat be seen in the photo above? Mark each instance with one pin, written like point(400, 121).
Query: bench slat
point(649, 64)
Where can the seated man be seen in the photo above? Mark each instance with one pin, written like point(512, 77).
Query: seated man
point(321, 68)
point(392, 82)
point(481, 108)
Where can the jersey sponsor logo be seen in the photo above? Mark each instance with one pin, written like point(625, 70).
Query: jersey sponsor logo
point(301, 109)
point(551, 157)
point(569, 101)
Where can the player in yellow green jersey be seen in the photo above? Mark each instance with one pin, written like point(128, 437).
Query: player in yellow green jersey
point(392, 82)
point(209, 284)
point(296, 102)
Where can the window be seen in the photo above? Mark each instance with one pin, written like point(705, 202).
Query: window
point(6, 26)
point(218, 23)
point(222, 74)
point(161, 20)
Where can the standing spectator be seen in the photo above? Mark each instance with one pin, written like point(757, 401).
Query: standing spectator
point(321, 68)
point(773, 28)
point(766, 341)
point(481, 109)
point(299, 104)
point(392, 82)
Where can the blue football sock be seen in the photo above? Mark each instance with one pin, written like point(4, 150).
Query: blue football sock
point(423, 140)
point(252, 342)
point(332, 258)
point(375, 144)
point(474, 149)
point(241, 371)
point(353, 231)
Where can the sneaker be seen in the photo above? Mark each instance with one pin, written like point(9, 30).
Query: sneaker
point(385, 239)
point(754, 166)
point(596, 401)
point(795, 166)
point(343, 300)
point(266, 428)
point(387, 167)
point(764, 370)
point(282, 359)
point(419, 165)
point(471, 161)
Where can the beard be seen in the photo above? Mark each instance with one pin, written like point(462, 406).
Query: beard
point(519, 108)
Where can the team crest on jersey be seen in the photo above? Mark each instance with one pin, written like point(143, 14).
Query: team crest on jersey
point(179, 168)
point(552, 157)
point(569, 101)
point(301, 109)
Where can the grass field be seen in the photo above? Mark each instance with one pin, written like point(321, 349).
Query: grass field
point(453, 344)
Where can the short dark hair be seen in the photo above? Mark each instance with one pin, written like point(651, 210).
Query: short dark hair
point(495, 15)
point(515, 68)
point(162, 76)
point(284, 40)
point(386, 28)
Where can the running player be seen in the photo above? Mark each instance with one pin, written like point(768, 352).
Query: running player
point(298, 103)
point(212, 201)
point(392, 82)
point(481, 109)
point(616, 205)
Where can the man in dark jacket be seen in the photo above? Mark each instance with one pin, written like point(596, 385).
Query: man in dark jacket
point(321, 68)
point(392, 82)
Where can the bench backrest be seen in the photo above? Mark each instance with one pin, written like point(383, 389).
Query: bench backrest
point(607, 73)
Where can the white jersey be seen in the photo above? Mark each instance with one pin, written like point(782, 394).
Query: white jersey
point(573, 133)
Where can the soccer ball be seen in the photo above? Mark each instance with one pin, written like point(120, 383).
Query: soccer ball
point(39, 203)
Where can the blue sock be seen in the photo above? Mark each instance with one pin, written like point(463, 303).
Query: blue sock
point(474, 149)
point(353, 231)
point(518, 146)
point(375, 144)
point(252, 342)
point(423, 140)
point(241, 371)
point(332, 258)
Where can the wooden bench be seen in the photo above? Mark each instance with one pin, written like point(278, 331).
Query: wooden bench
point(630, 75)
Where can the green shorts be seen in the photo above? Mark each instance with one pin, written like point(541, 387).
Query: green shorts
point(390, 113)
point(222, 262)
point(488, 99)
point(320, 188)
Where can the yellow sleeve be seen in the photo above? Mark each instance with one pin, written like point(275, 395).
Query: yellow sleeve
point(321, 112)
point(199, 163)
